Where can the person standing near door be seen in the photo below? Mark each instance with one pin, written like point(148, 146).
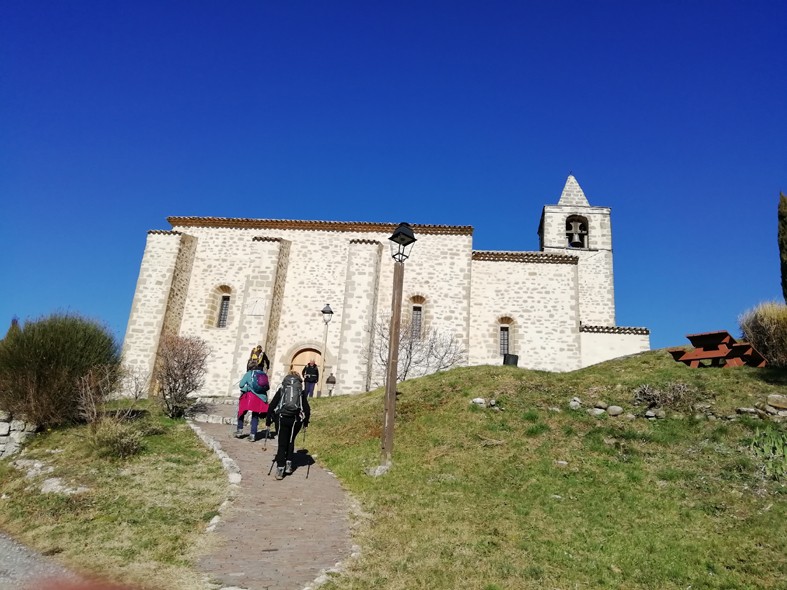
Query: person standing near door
point(311, 375)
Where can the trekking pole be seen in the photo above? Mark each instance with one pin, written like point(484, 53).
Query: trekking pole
point(272, 462)
point(308, 466)
point(265, 444)
point(291, 448)
point(304, 436)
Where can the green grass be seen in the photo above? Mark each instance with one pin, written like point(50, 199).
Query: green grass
point(142, 518)
point(526, 497)
point(561, 499)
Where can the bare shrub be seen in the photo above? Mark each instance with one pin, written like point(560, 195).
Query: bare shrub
point(419, 354)
point(647, 395)
point(677, 396)
point(765, 328)
point(117, 438)
point(180, 370)
point(99, 385)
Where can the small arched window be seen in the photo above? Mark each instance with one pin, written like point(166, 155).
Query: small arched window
point(417, 316)
point(504, 334)
point(577, 231)
point(224, 311)
point(224, 294)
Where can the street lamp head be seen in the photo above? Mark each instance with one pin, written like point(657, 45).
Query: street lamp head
point(402, 242)
point(327, 314)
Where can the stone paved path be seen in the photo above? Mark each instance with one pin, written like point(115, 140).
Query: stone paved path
point(274, 535)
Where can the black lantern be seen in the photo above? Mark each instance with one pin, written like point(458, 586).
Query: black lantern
point(327, 314)
point(402, 242)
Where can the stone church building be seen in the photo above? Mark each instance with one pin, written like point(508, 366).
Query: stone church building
point(237, 283)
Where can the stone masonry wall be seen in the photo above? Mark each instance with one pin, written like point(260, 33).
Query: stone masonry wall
point(280, 274)
point(180, 285)
point(151, 296)
point(13, 433)
point(271, 342)
point(600, 347)
point(596, 281)
point(257, 303)
point(316, 269)
point(439, 272)
point(362, 282)
point(540, 298)
point(229, 263)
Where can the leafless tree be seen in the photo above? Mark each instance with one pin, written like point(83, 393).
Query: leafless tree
point(419, 353)
point(100, 384)
point(180, 370)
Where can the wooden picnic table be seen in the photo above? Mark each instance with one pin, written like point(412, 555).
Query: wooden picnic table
point(717, 349)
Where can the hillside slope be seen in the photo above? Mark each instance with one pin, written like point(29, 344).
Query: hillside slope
point(541, 496)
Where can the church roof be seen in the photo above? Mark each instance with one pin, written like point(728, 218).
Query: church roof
point(532, 257)
point(343, 226)
point(613, 330)
point(572, 195)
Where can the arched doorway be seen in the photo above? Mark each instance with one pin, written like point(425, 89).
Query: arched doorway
point(301, 358)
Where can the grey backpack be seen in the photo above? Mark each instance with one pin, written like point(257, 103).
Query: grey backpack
point(290, 402)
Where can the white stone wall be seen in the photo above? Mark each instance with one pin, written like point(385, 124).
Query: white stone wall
point(439, 272)
point(541, 299)
point(600, 347)
point(596, 280)
point(318, 266)
point(280, 274)
point(362, 281)
point(151, 296)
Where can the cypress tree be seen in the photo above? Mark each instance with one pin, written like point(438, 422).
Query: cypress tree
point(783, 241)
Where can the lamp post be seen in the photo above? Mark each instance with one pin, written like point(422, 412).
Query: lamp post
point(402, 242)
point(327, 315)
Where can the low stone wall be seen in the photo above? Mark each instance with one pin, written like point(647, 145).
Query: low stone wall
point(13, 433)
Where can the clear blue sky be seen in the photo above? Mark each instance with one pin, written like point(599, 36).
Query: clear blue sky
point(115, 115)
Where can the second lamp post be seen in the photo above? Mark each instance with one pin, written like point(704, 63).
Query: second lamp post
point(327, 315)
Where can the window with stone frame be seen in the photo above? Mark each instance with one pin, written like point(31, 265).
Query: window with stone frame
point(416, 323)
point(224, 311)
point(503, 340)
point(577, 232)
point(504, 325)
point(417, 309)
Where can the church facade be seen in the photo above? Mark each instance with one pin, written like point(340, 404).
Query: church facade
point(237, 283)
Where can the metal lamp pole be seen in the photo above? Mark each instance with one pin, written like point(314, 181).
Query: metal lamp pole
point(401, 244)
point(327, 315)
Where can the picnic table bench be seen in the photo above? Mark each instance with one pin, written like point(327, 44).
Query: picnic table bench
point(717, 349)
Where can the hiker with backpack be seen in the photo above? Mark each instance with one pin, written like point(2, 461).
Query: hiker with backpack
point(311, 375)
point(290, 408)
point(258, 359)
point(253, 398)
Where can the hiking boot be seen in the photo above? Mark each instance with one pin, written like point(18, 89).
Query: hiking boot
point(252, 438)
point(238, 434)
point(288, 468)
point(280, 473)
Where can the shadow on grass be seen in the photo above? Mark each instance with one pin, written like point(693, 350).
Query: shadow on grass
point(772, 375)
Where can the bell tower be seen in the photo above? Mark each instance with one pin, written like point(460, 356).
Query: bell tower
point(576, 228)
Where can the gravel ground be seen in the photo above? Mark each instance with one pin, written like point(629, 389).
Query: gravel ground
point(22, 568)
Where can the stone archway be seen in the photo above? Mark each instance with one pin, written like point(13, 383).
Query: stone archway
point(303, 356)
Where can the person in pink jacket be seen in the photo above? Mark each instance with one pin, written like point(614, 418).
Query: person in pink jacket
point(253, 398)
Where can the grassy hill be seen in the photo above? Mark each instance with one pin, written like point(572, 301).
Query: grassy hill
point(541, 496)
point(533, 496)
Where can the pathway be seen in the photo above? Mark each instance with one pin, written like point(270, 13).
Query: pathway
point(274, 535)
